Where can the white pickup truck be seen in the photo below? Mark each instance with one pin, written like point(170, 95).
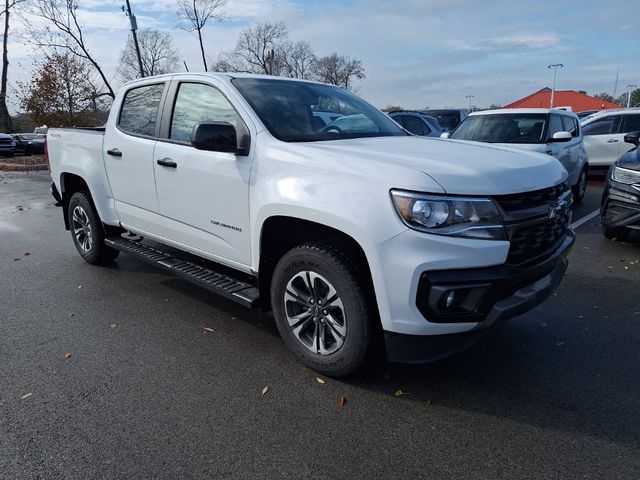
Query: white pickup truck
point(353, 235)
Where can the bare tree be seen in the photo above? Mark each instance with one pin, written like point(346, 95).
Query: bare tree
point(157, 52)
point(256, 47)
point(296, 59)
point(196, 13)
point(338, 70)
point(5, 118)
point(67, 32)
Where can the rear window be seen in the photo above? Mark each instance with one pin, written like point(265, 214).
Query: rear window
point(139, 111)
point(631, 123)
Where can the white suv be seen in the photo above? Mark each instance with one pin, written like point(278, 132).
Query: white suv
point(604, 134)
point(555, 132)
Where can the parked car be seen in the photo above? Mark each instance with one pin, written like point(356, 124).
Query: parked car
point(620, 206)
point(417, 123)
point(347, 234)
point(604, 134)
point(448, 118)
point(7, 145)
point(29, 143)
point(554, 132)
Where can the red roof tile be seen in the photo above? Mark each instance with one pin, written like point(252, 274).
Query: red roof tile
point(579, 102)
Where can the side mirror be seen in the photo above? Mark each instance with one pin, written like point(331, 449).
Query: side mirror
point(633, 138)
point(560, 137)
point(216, 137)
point(445, 134)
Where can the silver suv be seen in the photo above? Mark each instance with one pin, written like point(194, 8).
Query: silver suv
point(551, 131)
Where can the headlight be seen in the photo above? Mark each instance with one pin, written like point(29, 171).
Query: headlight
point(623, 175)
point(454, 216)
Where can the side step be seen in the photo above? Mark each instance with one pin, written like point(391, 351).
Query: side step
point(236, 290)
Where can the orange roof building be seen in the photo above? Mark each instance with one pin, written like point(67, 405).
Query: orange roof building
point(579, 102)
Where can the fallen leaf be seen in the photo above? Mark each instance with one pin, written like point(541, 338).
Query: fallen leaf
point(67, 355)
point(342, 401)
point(26, 254)
point(320, 381)
point(265, 390)
point(429, 402)
point(113, 325)
point(399, 393)
point(208, 330)
point(26, 396)
point(70, 315)
point(16, 259)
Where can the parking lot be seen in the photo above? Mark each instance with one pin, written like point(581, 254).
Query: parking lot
point(110, 373)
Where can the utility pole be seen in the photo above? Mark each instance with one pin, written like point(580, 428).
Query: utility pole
point(555, 67)
point(630, 87)
point(469, 97)
point(134, 27)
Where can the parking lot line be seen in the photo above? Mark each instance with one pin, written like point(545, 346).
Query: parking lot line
point(585, 219)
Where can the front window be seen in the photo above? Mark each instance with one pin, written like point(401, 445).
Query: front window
point(296, 111)
point(503, 128)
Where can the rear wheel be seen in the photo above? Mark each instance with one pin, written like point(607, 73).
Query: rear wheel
point(580, 188)
point(87, 230)
point(620, 233)
point(322, 308)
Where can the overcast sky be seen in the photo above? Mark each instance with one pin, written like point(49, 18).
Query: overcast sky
point(416, 53)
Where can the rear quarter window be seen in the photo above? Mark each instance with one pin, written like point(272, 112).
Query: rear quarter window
point(139, 112)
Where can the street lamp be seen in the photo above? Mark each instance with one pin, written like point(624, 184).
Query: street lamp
point(630, 87)
point(469, 97)
point(555, 67)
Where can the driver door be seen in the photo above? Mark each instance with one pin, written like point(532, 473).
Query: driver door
point(203, 196)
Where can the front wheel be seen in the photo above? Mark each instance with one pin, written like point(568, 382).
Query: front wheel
point(322, 308)
point(580, 188)
point(87, 230)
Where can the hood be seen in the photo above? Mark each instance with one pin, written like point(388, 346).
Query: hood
point(459, 167)
point(630, 160)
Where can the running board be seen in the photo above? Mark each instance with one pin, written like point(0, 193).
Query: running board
point(224, 285)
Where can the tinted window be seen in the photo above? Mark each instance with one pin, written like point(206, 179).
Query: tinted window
point(503, 128)
point(555, 125)
point(603, 126)
point(196, 103)
point(570, 125)
point(140, 110)
point(448, 119)
point(631, 123)
point(286, 108)
point(415, 125)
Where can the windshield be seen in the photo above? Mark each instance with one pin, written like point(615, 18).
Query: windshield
point(29, 136)
point(296, 111)
point(503, 128)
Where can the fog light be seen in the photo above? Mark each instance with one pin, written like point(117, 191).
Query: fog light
point(450, 298)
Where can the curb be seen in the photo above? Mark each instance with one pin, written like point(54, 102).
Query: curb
point(16, 167)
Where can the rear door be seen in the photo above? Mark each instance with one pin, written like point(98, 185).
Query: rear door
point(602, 140)
point(128, 157)
point(204, 197)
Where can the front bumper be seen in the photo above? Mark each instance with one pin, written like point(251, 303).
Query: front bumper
point(496, 294)
point(620, 205)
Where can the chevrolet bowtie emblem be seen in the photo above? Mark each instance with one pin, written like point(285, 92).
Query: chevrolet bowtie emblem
point(556, 209)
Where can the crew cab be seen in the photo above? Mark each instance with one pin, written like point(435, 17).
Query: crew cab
point(351, 237)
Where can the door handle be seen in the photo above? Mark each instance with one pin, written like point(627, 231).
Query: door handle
point(114, 152)
point(167, 162)
point(612, 140)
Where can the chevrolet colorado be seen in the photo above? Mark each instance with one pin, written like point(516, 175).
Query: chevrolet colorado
point(351, 234)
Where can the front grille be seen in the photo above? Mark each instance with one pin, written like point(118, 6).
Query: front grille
point(6, 141)
point(533, 241)
point(537, 222)
point(537, 198)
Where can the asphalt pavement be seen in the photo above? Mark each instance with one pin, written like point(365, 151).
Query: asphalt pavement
point(108, 372)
